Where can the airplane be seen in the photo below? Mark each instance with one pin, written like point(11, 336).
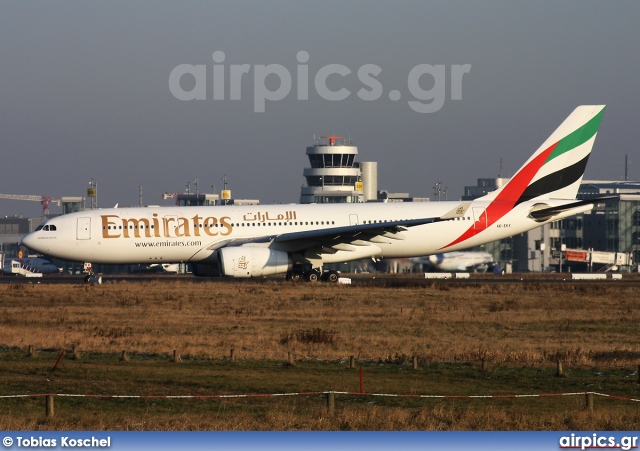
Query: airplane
point(34, 264)
point(457, 261)
point(297, 240)
point(169, 268)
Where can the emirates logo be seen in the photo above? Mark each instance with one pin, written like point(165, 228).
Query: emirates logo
point(243, 263)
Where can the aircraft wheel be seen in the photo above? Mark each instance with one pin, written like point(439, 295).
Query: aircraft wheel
point(311, 276)
point(330, 276)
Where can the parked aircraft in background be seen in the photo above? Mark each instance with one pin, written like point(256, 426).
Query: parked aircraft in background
point(33, 264)
point(253, 241)
point(169, 268)
point(457, 261)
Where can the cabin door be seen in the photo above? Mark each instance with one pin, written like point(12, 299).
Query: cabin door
point(84, 229)
point(480, 218)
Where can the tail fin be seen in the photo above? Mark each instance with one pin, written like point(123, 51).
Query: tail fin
point(556, 169)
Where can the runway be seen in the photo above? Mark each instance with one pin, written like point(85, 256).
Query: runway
point(382, 279)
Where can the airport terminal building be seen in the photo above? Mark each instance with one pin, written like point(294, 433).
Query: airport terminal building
point(612, 227)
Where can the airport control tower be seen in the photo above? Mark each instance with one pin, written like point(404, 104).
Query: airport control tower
point(334, 176)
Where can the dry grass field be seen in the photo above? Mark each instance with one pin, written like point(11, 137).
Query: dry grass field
point(520, 328)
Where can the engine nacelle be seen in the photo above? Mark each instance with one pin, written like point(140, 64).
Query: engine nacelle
point(250, 261)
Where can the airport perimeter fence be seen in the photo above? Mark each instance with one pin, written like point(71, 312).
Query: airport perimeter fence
point(330, 397)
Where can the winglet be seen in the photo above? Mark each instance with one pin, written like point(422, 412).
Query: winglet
point(457, 212)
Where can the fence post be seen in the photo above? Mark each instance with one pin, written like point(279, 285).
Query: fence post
point(30, 351)
point(76, 354)
point(176, 356)
point(352, 365)
point(290, 359)
point(125, 356)
point(415, 362)
point(331, 403)
point(49, 406)
point(589, 401)
point(559, 372)
point(232, 356)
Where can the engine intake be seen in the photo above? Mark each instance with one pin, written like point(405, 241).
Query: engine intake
point(250, 261)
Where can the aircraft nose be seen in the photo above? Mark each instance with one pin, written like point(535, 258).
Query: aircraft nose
point(30, 241)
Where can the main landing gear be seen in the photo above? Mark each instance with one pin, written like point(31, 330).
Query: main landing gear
point(312, 275)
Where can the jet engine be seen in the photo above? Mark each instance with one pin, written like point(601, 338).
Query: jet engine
point(250, 261)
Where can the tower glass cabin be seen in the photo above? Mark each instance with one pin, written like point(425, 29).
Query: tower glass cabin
point(334, 176)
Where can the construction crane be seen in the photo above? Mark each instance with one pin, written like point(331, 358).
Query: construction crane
point(166, 196)
point(44, 200)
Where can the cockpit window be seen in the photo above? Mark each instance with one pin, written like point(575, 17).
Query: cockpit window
point(39, 227)
point(49, 228)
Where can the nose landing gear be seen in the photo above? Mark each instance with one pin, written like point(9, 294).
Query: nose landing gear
point(91, 277)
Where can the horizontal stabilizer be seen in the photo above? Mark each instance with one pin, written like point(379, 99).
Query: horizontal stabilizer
point(544, 212)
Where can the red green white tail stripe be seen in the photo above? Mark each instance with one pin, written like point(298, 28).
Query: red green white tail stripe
point(554, 171)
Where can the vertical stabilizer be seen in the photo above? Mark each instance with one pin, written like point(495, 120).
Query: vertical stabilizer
point(556, 169)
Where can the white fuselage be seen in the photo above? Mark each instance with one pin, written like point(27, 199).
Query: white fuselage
point(193, 234)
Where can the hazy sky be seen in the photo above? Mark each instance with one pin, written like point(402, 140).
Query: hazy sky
point(85, 92)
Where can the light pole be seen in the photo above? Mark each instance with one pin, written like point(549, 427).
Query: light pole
point(92, 192)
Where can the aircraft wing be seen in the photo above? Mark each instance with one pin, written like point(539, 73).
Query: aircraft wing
point(336, 238)
point(332, 240)
point(345, 238)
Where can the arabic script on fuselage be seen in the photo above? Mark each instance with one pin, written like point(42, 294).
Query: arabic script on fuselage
point(264, 217)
